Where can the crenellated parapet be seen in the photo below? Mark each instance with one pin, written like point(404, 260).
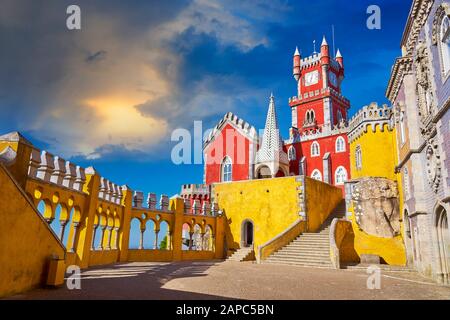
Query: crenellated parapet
point(108, 191)
point(241, 125)
point(312, 95)
point(370, 117)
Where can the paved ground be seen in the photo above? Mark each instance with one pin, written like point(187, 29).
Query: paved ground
point(234, 280)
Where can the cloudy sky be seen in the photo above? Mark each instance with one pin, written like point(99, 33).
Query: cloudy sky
point(111, 94)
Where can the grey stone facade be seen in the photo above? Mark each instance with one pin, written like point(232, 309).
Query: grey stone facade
point(419, 90)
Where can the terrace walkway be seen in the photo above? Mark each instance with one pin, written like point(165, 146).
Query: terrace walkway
point(234, 280)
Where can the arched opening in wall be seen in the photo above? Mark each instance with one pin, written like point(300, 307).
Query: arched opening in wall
point(208, 239)
point(247, 233)
point(226, 170)
point(58, 222)
point(135, 233)
point(340, 175)
point(67, 228)
point(186, 239)
point(100, 232)
point(45, 209)
point(164, 236)
point(443, 237)
point(263, 172)
point(149, 235)
point(197, 238)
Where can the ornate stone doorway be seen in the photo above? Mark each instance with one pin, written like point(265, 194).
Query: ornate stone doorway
point(443, 237)
point(247, 233)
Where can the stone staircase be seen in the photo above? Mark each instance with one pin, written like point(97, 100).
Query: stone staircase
point(309, 249)
point(242, 254)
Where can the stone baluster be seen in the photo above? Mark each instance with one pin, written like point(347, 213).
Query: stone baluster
point(164, 203)
point(187, 206)
point(70, 175)
point(196, 207)
point(108, 192)
point(80, 179)
point(46, 166)
point(35, 161)
point(138, 198)
point(59, 171)
point(119, 195)
point(116, 239)
point(151, 201)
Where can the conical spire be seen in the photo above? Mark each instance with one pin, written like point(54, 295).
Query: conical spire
point(296, 53)
point(338, 54)
point(324, 42)
point(272, 146)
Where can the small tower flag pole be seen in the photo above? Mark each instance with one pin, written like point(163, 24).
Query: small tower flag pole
point(334, 50)
point(314, 43)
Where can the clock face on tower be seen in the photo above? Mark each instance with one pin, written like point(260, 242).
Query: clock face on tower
point(312, 78)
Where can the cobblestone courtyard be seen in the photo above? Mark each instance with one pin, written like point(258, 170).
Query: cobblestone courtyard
point(229, 280)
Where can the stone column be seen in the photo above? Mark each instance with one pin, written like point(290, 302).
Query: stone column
point(155, 246)
point(190, 240)
point(63, 229)
point(93, 236)
point(108, 240)
point(101, 246)
point(141, 240)
point(72, 245)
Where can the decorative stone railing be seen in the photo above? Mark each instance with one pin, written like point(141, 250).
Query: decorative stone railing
point(53, 169)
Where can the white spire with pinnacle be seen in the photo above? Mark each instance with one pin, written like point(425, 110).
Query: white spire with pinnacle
point(324, 42)
point(271, 151)
point(296, 53)
point(338, 54)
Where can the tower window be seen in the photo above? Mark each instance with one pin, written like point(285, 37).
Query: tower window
point(402, 128)
point(358, 158)
point(340, 145)
point(227, 170)
point(340, 175)
point(315, 149)
point(316, 175)
point(292, 154)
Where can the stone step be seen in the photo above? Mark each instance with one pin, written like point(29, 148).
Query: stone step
point(309, 246)
point(313, 253)
point(301, 264)
point(300, 259)
point(311, 242)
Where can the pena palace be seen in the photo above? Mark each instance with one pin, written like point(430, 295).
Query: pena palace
point(317, 145)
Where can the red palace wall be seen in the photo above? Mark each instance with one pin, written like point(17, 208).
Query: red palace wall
point(237, 148)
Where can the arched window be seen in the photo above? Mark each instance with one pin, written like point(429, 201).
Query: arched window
point(291, 153)
point(340, 176)
point(315, 149)
point(444, 44)
point(340, 144)
point(358, 158)
point(227, 170)
point(316, 175)
point(406, 182)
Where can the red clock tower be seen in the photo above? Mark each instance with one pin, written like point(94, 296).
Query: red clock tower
point(318, 144)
